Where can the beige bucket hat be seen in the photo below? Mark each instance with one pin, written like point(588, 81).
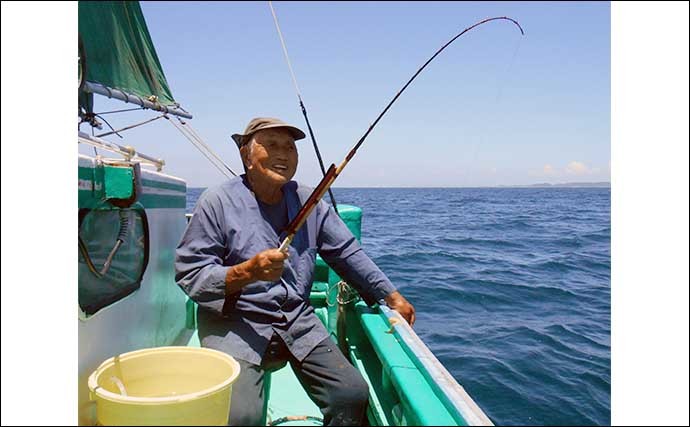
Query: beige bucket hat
point(260, 123)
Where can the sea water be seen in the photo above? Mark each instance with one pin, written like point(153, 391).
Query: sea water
point(511, 287)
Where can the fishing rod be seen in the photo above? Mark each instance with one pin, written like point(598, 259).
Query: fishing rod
point(334, 171)
point(301, 104)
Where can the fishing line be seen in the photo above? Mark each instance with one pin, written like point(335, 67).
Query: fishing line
point(334, 171)
point(499, 94)
point(301, 104)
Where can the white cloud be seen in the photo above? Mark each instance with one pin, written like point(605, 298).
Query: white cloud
point(572, 170)
point(577, 168)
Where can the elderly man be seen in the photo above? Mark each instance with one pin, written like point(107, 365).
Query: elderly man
point(254, 300)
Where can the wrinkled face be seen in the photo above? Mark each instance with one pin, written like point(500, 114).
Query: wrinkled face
point(271, 157)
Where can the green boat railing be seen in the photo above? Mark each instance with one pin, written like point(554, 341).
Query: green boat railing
point(445, 386)
point(408, 384)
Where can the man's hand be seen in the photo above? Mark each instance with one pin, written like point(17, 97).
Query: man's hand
point(398, 303)
point(268, 265)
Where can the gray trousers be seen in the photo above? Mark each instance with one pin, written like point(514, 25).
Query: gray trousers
point(329, 379)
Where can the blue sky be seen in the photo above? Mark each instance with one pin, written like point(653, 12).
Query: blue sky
point(560, 71)
point(494, 108)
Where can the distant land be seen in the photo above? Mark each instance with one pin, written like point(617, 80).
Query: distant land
point(565, 184)
point(538, 185)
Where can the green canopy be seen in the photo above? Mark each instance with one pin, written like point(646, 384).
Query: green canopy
point(119, 51)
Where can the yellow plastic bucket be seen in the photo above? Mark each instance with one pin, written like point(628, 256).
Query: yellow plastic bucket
point(164, 386)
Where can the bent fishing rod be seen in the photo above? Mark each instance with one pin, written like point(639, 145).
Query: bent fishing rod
point(334, 171)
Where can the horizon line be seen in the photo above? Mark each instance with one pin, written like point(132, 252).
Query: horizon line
point(603, 184)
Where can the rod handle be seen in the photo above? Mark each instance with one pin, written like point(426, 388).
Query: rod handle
point(286, 243)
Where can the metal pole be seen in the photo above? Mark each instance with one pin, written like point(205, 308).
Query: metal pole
point(134, 99)
point(128, 152)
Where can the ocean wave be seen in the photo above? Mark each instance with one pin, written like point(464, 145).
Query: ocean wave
point(512, 291)
point(479, 242)
point(423, 258)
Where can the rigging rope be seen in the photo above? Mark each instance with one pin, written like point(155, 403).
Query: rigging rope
point(126, 127)
point(184, 128)
point(198, 138)
point(198, 143)
point(94, 115)
point(122, 111)
point(344, 296)
point(212, 159)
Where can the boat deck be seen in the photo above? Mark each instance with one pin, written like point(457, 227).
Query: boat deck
point(286, 397)
point(407, 385)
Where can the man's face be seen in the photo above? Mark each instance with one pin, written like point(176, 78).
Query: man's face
point(272, 157)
